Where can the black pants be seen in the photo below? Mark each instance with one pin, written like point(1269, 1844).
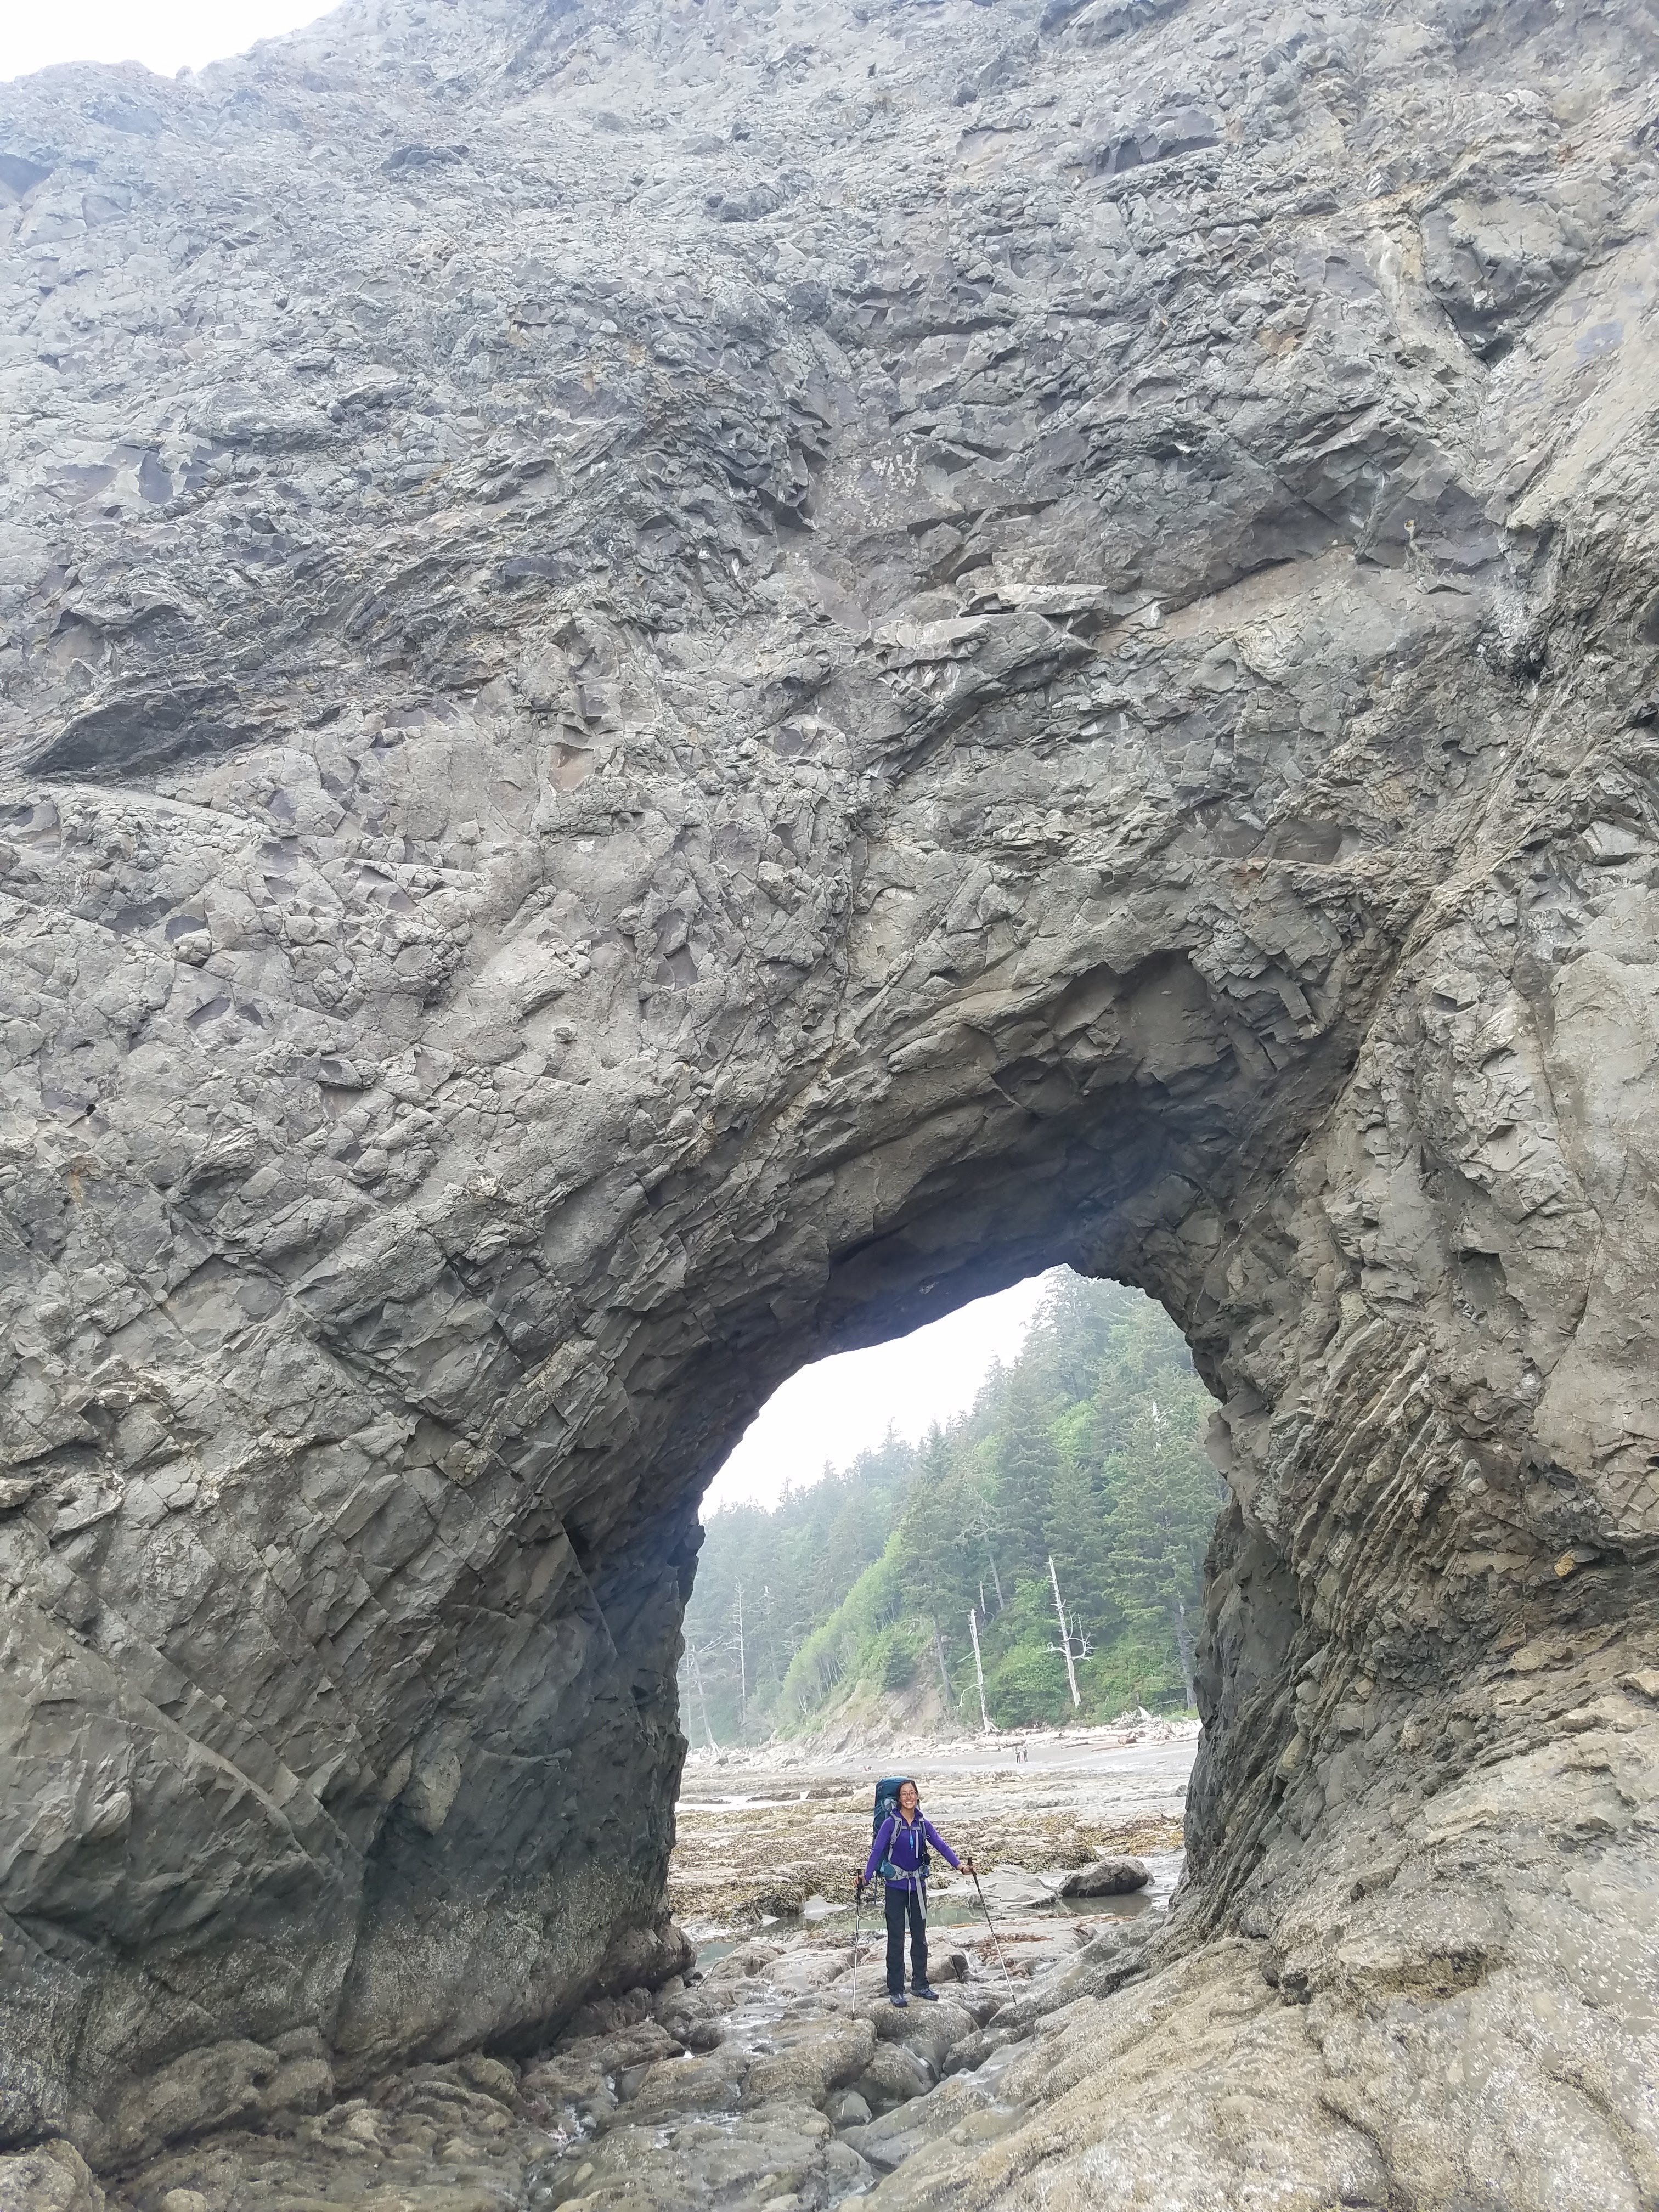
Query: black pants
point(901, 1902)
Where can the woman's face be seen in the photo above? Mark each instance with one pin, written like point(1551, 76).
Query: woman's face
point(908, 1801)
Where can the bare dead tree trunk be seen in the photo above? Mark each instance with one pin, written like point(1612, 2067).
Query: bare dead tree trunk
point(1184, 1651)
point(944, 1680)
point(702, 1698)
point(979, 1671)
point(1065, 1636)
point(979, 1526)
point(743, 1669)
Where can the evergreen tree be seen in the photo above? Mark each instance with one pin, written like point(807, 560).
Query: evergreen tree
point(1085, 1447)
point(1075, 1536)
point(1027, 1460)
point(1165, 1496)
point(938, 1574)
point(1077, 1319)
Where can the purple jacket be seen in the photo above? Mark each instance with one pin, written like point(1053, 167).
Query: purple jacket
point(903, 1842)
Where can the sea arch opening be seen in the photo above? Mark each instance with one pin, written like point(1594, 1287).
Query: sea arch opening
point(996, 1522)
point(461, 1767)
point(1115, 1119)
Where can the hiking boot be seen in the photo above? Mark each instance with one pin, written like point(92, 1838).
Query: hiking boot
point(900, 1999)
point(920, 1990)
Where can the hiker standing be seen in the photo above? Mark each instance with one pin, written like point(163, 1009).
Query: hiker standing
point(899, 1855)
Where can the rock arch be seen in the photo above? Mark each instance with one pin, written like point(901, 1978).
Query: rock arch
point(815, 794)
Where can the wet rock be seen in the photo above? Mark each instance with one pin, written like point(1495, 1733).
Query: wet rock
point(779, 2150)
point(1010, 1889)
point(694, 2018)
point(643, 2044)
point(644, 1959)
point(960, 2116)
point(930, 2031)
point(222, 2085)
point(811, 1968)
point(53, 2176)
point(752, 2119)
point(579, 2086)
point(610, 2015)
point(848, 2109)
point(1106, 1960)
point(493, 2076)
point(894, 2075)
point(809, 2059)
point(709, 2084)
point(1243, 2043)
point(742, 1964)
point(1106, 1877)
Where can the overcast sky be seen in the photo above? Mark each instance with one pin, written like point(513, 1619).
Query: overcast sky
point(166, 35)
point(833, 1411)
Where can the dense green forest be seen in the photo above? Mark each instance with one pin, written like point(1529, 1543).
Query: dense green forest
point(1087, 1451)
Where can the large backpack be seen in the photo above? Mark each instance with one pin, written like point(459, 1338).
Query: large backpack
point(887, 1806)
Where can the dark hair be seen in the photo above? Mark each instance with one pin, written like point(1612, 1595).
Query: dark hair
point(908, 1783)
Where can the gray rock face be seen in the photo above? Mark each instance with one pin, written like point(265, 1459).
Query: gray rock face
point(677, 684)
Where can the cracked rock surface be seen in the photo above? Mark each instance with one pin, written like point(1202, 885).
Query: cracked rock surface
point(770, 2076)
point(678, 683)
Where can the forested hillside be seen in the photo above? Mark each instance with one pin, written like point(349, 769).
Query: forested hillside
point(857, 1591)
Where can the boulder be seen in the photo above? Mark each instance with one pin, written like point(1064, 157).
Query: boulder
point(1106, 1877)
point(808, 2059)
point(52, 2177)
point(894, 2075)
point(848, 2109)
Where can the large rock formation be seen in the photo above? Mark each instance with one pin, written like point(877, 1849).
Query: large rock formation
point(681, 682)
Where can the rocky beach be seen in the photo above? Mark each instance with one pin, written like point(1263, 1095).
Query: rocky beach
point(770, 2072)
point(760, 1837)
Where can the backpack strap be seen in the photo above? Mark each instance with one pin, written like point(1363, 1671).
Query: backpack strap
point(887, 1870)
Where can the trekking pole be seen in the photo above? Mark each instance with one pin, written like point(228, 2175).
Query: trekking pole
point(995, 1938)
point(858, 1906)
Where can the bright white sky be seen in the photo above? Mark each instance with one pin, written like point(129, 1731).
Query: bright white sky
point(166, 35)
point(835, 1410)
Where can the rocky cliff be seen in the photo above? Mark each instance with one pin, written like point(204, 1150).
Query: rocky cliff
point(678, 682)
